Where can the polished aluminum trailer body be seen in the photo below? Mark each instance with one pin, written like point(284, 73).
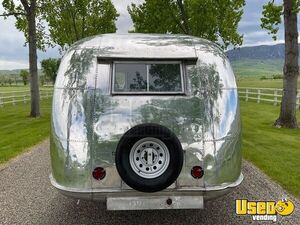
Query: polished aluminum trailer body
point(88, 119)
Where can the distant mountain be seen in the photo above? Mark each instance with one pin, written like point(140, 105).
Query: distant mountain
point(257, 61)
point(257, 52)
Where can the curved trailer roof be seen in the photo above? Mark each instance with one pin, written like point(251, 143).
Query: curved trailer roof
point(148, 46)
point(143, 47)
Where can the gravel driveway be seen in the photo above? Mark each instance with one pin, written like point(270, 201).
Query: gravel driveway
point(26, 197)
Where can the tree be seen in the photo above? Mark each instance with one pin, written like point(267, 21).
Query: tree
point(42, 80)
point(50, 68)
point(10, 81)
point(213, 20)
point(24, 75)
point(70, 21)
point(26, 14)
point(270, 21)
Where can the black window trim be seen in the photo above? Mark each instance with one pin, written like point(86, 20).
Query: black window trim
point(148, 62)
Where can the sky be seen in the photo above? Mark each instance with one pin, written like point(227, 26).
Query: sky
point(14, 55)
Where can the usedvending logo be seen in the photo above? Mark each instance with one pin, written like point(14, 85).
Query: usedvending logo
point(264, 210)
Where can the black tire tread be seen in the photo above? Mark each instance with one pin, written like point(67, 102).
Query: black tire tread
point(122, 157)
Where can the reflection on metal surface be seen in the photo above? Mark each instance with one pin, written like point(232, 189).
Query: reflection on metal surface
point(88, 122)
point(157, 202)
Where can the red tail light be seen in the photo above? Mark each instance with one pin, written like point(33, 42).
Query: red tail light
point(99, 173)
point(197, 172)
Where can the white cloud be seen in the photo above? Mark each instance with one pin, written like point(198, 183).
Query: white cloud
point(124, 22)
point(10, 65)
point(246, 23)
point(255, 34)
point(264, 43)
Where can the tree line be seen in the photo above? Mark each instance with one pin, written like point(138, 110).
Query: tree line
point(49, 68)
point(63, 22)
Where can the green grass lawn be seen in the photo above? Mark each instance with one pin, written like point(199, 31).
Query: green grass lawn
point(14, 88)
point(19, 88)
point(254, 82)
point(257, 68)
point(275, 151)
point(18, 131)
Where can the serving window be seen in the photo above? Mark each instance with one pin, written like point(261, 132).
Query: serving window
point(147, 78)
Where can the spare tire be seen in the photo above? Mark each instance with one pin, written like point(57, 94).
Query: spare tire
point(149, 157)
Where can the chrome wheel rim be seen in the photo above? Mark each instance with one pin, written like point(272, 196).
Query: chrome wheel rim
point(149, 158)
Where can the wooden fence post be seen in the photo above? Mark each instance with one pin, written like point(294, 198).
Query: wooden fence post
point(275, 97)
point(14, 100)
point(259, 92)
point(298, 100)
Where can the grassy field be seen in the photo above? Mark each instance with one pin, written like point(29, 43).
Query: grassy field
point(14, 88)
point(19, 88)
point(18, 131)
point(249, 72)
point(275, 151)
point(254, 82)
point(257, 68)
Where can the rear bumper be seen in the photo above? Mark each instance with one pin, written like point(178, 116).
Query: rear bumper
point(103, 194)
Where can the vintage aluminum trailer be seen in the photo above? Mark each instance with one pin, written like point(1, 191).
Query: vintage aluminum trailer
point(145, 121)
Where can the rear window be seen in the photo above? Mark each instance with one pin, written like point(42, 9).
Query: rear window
point(142, 77)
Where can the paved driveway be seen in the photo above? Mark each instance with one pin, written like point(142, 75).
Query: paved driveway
point(26, 197)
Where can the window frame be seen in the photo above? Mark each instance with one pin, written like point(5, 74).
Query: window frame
point(148, 63)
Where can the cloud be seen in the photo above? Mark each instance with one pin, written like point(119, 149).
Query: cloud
point(258, 43)
point(256, 34)
point(124, 22)
point(13, 64)
point(13, 52)
point(249, 25)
